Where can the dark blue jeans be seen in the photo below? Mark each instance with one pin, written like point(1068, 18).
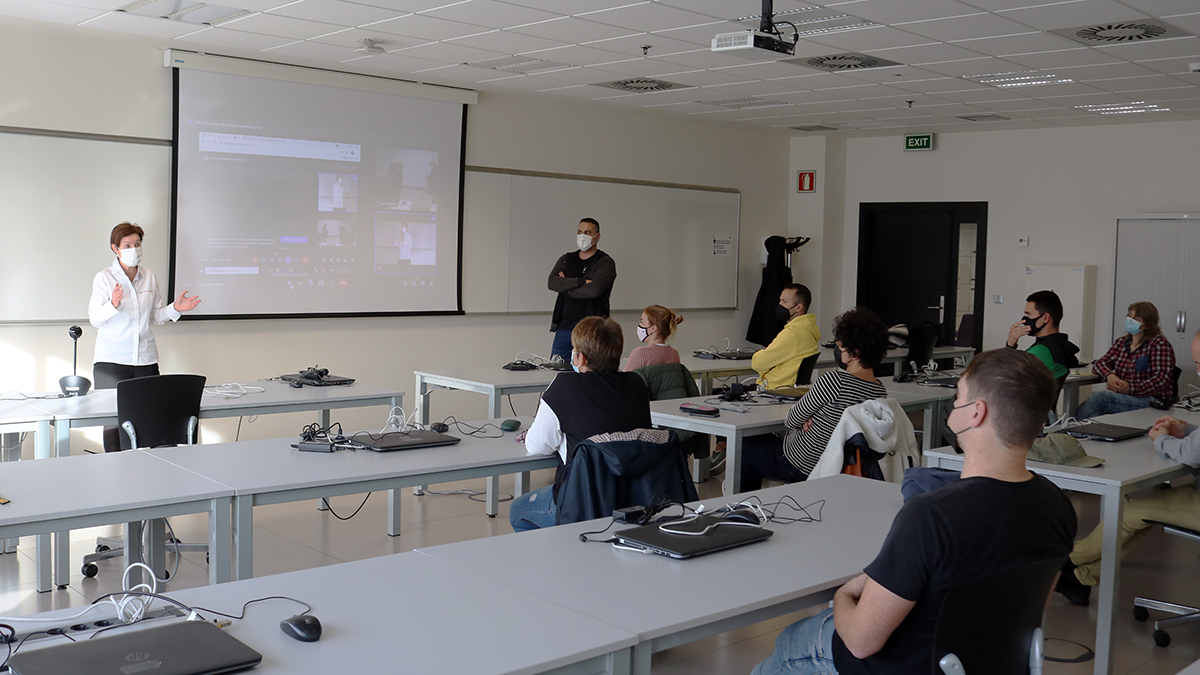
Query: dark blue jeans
point(762, 457)
point(562, 345)
point(532, 510)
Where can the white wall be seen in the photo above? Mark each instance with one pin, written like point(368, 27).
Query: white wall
point(109, 87)
point(1064, 188)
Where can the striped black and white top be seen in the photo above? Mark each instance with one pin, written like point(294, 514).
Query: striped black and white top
point(832, 392)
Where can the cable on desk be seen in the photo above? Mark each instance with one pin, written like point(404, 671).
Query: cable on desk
point(474, 431)
point(239, 617)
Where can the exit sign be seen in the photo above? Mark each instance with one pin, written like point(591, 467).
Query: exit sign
point(918, 142)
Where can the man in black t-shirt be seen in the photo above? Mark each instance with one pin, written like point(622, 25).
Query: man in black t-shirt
point(583, 281)
point(996, 518)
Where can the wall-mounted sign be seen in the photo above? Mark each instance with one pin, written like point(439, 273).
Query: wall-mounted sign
point(918, 142)
point(807, 181)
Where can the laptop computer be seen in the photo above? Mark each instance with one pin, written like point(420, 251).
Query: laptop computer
point(947, 382)
point(725, 534)
point(176, 648)
point(402, 440)
point(1100, 431)
point(325, 381)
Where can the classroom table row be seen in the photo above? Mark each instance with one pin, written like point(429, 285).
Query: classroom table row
point(543, 601)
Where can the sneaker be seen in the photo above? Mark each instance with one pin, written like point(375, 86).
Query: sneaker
point(1071, 588)
point(716, 462)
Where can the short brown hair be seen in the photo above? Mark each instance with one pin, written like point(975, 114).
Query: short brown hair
point(123, 230)
point(600, 341)
point(1148, 313)
point(663, 319)
point(1018, 389)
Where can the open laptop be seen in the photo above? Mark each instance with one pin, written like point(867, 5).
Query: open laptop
point(1100, 431)
point(403, 440)
point(176, 648)
point(325, 381)
point(652, 539)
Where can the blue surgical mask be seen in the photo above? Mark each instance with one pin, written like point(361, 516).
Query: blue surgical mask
point(1132, 325)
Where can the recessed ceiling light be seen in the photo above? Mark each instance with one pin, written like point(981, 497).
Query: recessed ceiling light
point(984, 118)
point(1024, 78)
point(1122, 108)
point(745, 102)
point(180, 12)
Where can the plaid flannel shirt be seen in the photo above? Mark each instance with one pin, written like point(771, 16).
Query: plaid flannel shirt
point(1147, 370)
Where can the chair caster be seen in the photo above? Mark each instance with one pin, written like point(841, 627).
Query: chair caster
point(1141, 613)
point(1161, 638)
point(90, 570)
point(101, 548)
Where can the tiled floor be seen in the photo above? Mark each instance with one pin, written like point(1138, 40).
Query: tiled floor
point(296, 536)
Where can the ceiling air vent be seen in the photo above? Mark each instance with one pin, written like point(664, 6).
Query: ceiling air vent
point(525, 65)
point(843, 62)
point(984, 118)
point(640, 85)
point(1120, 32)
point(813, 128)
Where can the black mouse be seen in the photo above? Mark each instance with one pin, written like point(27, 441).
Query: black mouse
point(743, 514)
point(295, 384)
point(440, 427)
point(302, 627)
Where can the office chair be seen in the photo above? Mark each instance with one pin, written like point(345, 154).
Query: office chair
point(920, 351)
point(965, 335)
point(1185, 614)
point(804, 374)
point(152, 412)
point(1011, 644)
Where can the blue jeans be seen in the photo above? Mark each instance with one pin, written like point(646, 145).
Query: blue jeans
point(1106, 402)
point(562, 344)
point(532, 510)
point(762, 457)
point(803, 648)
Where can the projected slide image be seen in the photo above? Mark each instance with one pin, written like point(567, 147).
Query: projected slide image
point(410, 177)
point(337, 233)
point(337, 192)
point(405, 244)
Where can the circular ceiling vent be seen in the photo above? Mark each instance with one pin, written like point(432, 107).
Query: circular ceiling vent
point(1121, 32)
point(641, 85)
point(843, 62)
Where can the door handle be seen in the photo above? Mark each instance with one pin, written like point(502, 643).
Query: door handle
point(1183, 325)
point(1179, 321)
point(941, 308)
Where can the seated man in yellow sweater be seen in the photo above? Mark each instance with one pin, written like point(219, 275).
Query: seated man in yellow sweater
point(778, 364)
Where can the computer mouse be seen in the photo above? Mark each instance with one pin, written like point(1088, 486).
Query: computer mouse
point(296, 384)
point(302, 627)
point(743, 514)
point(440, 427)
point(510, 425)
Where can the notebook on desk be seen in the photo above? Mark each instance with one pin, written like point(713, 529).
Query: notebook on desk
point(724, 534)
point(177, 648)
point(403, 440)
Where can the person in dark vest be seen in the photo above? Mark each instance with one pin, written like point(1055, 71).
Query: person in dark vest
point(1043, 313)
point(597, 398)
point(583, 280)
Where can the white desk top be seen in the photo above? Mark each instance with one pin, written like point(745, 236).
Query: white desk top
point(407, 613)
point(68, 487)
point(825, 360)
point(645, 594)
point(20, 412)
point(255, 467)
point(492, 376)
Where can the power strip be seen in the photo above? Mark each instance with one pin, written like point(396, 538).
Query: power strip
point(82, 626)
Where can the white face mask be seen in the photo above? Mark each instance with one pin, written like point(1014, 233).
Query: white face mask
point(130, 257)
point(584, 241)
point(643, 333)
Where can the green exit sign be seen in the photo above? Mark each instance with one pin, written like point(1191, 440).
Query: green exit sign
point(918, 142)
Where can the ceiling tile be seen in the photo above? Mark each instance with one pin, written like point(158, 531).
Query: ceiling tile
point(883, 37)
point(892, 75)
point(50, 11)
point(141, 25)
point(283, 26)
point(571, 30)
point(491, 14)
point(1174, 66)
point(934, 85)
point(219, 37)
point(1070, 14)
point(930, 52)
point(399, 63)
point(964, 27)
point(331, 11)
point(353, 38)
point(405, 5)
point(1188, 46)
point(1163, 8)
point(448, 52)
point(1064, 58)
point(972, 67)
point(732, 9)
point(575, 76)
point(313, 50)
point(646, 16)
point(702, 58)
point(631, 45)
point(426, 27)
point(891, 11)
point(575, 55)
point(767, 90)
point(1189, 23)
point(1026, 43)
point(764, 70)
point(563, 7)
point(1104, 72)
point(701, 34)
point(507, 42)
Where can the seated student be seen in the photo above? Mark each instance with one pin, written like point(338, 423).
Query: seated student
point(862, 341)
point(655, 327)
point(595, 399)
point(1043, 313)
point(1138, 366)
point(778, 364)
point(997, 518)
point(1178, 506)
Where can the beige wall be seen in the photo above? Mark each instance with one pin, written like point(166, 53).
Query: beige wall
point(95, 86)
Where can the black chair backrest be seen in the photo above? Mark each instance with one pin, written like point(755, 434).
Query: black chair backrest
point(804, 375)
point(1176, 372)
point(920, 350)
point(159, 408)
point(1058, 390)
point(988, 624)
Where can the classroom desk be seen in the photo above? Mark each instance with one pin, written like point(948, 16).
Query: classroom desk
point(800, 566)
point(99, 408)
point(1129, 466)
point(16, 416)
point(769, 418)
point(403, 613)
point(272, 472)
point(1076, 379)
point(125, 487)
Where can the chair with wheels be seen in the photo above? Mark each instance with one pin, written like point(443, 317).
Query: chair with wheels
point(1013, 603)
point(804, 374)
point(1184, 613)
point(152, 412)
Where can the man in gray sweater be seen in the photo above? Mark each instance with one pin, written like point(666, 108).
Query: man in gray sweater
point(1179, 506)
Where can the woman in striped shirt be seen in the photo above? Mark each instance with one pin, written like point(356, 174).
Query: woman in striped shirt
point(861, 338)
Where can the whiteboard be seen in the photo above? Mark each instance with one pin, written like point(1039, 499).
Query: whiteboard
point(673, 245)
point(59, 200)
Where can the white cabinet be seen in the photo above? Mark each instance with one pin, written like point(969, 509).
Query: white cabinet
point(1158, 260)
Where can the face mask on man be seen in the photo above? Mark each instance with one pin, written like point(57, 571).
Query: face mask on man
point(584, 241)
point(1132, 325)
point(1034, 329)
point(130, 257)
point(782, 313)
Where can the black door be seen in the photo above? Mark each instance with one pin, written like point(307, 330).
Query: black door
point(913, 270)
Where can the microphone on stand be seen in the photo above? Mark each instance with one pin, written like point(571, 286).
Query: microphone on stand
point(74, 385)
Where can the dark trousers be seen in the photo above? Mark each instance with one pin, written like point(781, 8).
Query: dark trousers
point(762, 457)
point(107, 375)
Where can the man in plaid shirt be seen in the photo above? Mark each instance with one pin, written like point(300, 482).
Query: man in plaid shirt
point(1138, 368)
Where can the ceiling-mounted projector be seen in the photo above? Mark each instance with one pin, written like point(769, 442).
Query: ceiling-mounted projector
point(753, 44)
point(369, 47)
